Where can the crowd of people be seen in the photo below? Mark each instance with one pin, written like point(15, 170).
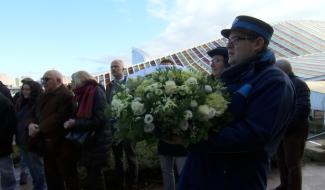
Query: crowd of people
point(268, 103)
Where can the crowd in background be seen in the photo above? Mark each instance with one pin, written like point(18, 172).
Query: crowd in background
point(269, 104)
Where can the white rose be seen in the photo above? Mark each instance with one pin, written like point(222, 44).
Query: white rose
point(204, 112)
point(192, 82)
point(194, 103)
point(212, 113)
point(188, 114)
point(148, 118)
point(137, 99)
point(116, 103)
point(170, 87)
point(184, 125)
point(148, 128)
point(208, 88)
point(159, 92)
point(137, 108)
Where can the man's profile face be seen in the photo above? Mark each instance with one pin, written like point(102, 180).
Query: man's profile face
point(240, 47)
point(217, 65)
point(117, 69)
point(50, 82)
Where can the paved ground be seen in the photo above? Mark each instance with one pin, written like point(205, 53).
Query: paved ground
point(313, 178)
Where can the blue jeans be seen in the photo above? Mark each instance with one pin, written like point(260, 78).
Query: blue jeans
point(167, 169)
point(36, 169)
point(23, 163)
point(7, 173)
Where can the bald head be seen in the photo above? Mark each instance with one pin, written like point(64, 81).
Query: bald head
point(52, 79)
point(284, 65)
point(117, 67)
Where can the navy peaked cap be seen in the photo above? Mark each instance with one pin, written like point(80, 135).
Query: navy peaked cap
point(251, 24)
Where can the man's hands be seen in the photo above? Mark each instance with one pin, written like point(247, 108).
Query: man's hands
point(33, 129)
point(70, 123)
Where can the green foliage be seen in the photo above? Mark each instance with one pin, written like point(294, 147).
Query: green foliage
point(147, 155)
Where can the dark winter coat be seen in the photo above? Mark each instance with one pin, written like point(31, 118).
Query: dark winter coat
point(302, 105)
point(237, 157)
point(5, 91)
point(51, 111)
point(98, 146)
point(7, 125)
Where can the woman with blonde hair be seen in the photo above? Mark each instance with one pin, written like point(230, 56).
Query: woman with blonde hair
point(89, 118)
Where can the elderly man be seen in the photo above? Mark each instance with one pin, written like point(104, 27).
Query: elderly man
point(291, 150)
point(117, 68)
point(262, 98)
point(53, 108)
point(219, 61)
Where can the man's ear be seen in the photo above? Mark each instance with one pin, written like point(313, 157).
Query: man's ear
point(259, 44)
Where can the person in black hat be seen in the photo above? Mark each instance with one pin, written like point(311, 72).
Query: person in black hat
point(219, 61)
point(262, 99)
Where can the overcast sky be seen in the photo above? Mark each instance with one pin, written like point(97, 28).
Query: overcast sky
point(72, 35)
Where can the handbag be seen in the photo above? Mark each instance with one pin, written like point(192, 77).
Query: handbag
point(79, 137)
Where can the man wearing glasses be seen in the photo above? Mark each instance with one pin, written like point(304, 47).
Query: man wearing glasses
point(53, 108)
point(262, 99)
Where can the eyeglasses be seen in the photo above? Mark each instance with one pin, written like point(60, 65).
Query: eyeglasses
point(45, 79)
point(235, 39)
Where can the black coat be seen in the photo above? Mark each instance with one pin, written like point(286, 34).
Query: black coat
point(7, 125)
point(302, 104)
point(97, 148)
point(5, 91)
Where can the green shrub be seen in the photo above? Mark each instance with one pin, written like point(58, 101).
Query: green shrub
point(147, 155)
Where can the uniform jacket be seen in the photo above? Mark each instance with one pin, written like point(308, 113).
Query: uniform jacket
point(237, 157)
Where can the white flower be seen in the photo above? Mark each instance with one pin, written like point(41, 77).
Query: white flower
point(184, 125)
point(138, 118)
point(169, 105)
point(138, 99)
point(204, 112)
point(116, 103)
point(159, 92)
point(148, 128)
point(137, 108)
point(149, 95)
point(170, 87)
point(212, 113)
point(192, 82)
point(148, 118)
point(194, 103)
point(208, 88)
point(118, 106)
point(188, 114)
point(184, 90)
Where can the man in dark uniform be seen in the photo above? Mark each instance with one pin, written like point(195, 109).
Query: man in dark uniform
point(262, 99)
